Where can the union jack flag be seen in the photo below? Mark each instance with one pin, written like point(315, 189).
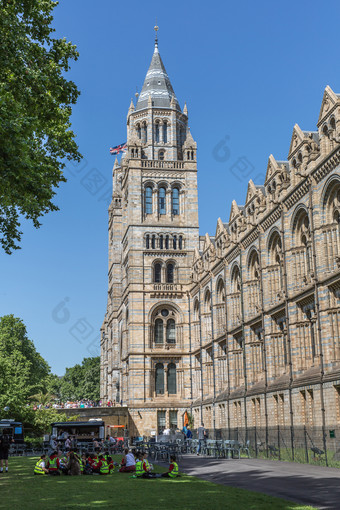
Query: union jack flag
point(119, 148)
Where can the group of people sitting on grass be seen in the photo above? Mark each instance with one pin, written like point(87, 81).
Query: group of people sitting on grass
point(73, 464)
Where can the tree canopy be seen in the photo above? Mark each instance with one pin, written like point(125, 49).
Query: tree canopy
point(27, 386)
point(23, 371)
point(81, 381)
point(35, 110)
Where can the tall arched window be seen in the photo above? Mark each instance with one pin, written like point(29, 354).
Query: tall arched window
point(159, 379)
point(157, 131)
point(166, 242)
point(144, 133)
point(158, 331)
point(139, 131)
point(148, 200)
point(171, 379)
point(157, 273)
point(165, 132)
point(171, 332)
point(153, 242)
point(161, 244)
point(302, 253)
point(175, 201)
point(174, 242)
point(147, 241)
point(161, 201)
point(235, 297)
point(170, 273)
point(180, 243)
point(254, 284)
point(274, 280)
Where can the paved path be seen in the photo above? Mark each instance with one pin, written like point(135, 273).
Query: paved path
point(303, 483)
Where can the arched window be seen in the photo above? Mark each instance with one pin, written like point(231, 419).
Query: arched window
point(180, 243)
point(170, 332)
point(174, 242)
point(171, 379)
point(157, 131)
point(158, 273)
point(175, 201)
point(165, 132)
point(158, 331)
point(147, 241)
point(167, 242)
point(148, 200)
point(153, 242)
point(159, 379)
point(161, 242)
point(139, 131)
point(274, 279)
point(253, 286)
point(145, 133)
point(302, 253)
point(161, 201)
point(161, 155)
point(170, 273)
point(331, 224)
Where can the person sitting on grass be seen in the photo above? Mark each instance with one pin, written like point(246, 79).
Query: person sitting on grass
point(73, 465)
point(111, 465)
point(40, 466)
point(128, 462)
point(53, 464)
point(148, 467)
point(86, 458)
point(102, 466)
point(143, 467)
point(173, 469)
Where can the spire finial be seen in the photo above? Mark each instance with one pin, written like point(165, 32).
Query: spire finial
point(156, 28)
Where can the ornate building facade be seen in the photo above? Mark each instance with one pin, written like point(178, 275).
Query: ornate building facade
point(243, 327)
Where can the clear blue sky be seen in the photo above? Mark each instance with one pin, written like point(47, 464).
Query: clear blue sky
point(247, 70)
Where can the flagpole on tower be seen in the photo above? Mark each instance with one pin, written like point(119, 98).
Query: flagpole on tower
point(156, 28)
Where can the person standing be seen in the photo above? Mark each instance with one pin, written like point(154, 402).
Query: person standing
point(5, 443)
point(201, 433)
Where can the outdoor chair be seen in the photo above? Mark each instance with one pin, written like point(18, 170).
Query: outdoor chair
point(233, 448)
point(273, 451)
point(245, 447)
point(317, 453)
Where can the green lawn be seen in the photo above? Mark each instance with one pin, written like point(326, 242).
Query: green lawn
point(21, 490)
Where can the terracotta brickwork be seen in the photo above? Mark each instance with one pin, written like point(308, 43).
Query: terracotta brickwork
point(266, 295)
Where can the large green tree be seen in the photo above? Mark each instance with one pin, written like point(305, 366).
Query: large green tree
point(23, 371)
point(82, 381)
point(35, 109)
point(25, 378)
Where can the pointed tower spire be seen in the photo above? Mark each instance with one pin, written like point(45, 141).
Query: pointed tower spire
point(185, 109)
point(157, 84)
point(131, 107)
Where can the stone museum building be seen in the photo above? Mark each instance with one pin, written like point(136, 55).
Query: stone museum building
point(241, 329)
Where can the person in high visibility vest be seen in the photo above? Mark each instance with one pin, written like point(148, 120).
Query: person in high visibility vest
point(111, 465)
point(40, 466)
point(53, 464)
point(173, 469)
point(139, 466)
point(143, 467)
point(102, 467)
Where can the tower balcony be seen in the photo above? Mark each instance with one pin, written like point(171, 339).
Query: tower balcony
point(155, 163)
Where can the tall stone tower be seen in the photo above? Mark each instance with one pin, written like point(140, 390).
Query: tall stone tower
point(153, 232)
